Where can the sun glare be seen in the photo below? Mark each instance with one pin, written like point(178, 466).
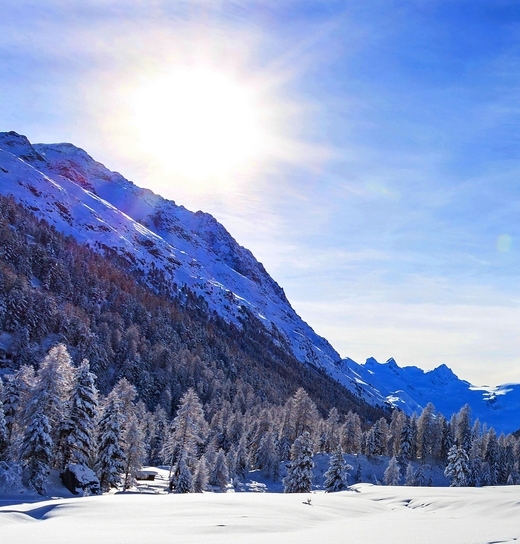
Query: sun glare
point(206, 124)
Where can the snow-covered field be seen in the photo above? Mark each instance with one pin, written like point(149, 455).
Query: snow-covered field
point(368, 514)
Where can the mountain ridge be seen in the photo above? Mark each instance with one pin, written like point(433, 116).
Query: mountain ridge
point(63, 184)
point(410, 389)
point(81, 197)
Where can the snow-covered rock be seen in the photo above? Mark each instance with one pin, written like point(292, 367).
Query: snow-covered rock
point(79, 478)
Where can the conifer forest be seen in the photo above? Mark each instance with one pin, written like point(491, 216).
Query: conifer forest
point(107, 370)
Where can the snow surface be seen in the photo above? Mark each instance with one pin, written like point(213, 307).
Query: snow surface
point(366, 514)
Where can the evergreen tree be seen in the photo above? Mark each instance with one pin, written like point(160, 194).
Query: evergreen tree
point(201, 476)
point(158, 434)
point(242, 461)
point(392, 475)
point(4, 439)
point(302, 415)
point(78, 435)
point(37, 450)
point(220, 474)
point(492, 456)
point(126, 394)
point(447, 440)
point(419, 477)
point(189, 431)
point(336, 477)
point(352, 433)
point(409, 478)
point(380, 435)
point(51, 394)
point(231, 462)
point(184, 483)
point(428, 434)
point(458, 469)
point(396, 428)
point(463, 428)
point(133, 452)
point(332, 434)
point(406, 443)
point(267, 457)
point(18, 388)
point(109, 463)
point(300, 472)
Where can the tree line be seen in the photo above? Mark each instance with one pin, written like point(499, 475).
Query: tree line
point(54, 417)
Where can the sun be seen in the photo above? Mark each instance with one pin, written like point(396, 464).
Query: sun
point(205, 123)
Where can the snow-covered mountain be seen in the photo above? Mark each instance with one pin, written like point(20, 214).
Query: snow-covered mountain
point(411, 388)
point(64, 185)
point(80, 197)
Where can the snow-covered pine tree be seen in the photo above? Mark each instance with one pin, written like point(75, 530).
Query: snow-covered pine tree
point(126, 394)
point(184, 483)
point(419, 478)
point(4, 439)
point(492, 456)
point(201, 476)
point(133, 452)
point(78, 435)
point(428, 434)
point(332, 432)
point(157, 435)
point(409, 478)
point(110, 456)
point(267, 457)
point(380, 432)
point(463, 428)
point(37, 451)
point(188, 432)
point(392, 475)
point(396, 427)
point(18, 388)
point(485, 474)
point(302, 415)
point(10, 476)
point(300, 472)
point(352, 434)
point(336, 477)
point(446, 438)
point(231, 462)
point(51, 393)
point(242, 460)
point(458, 468)
point(220, 475)
point(407, 442)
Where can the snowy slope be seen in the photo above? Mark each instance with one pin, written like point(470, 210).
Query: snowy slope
point(64, 185)
point(367, 515)
point(411, 388)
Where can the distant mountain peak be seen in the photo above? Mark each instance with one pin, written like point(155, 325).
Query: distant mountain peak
point(19, 146)
point(443, 372)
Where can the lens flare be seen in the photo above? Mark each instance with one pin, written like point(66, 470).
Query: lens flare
point(504, 243)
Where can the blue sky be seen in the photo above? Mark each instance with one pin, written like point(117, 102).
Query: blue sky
point(385, 196)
